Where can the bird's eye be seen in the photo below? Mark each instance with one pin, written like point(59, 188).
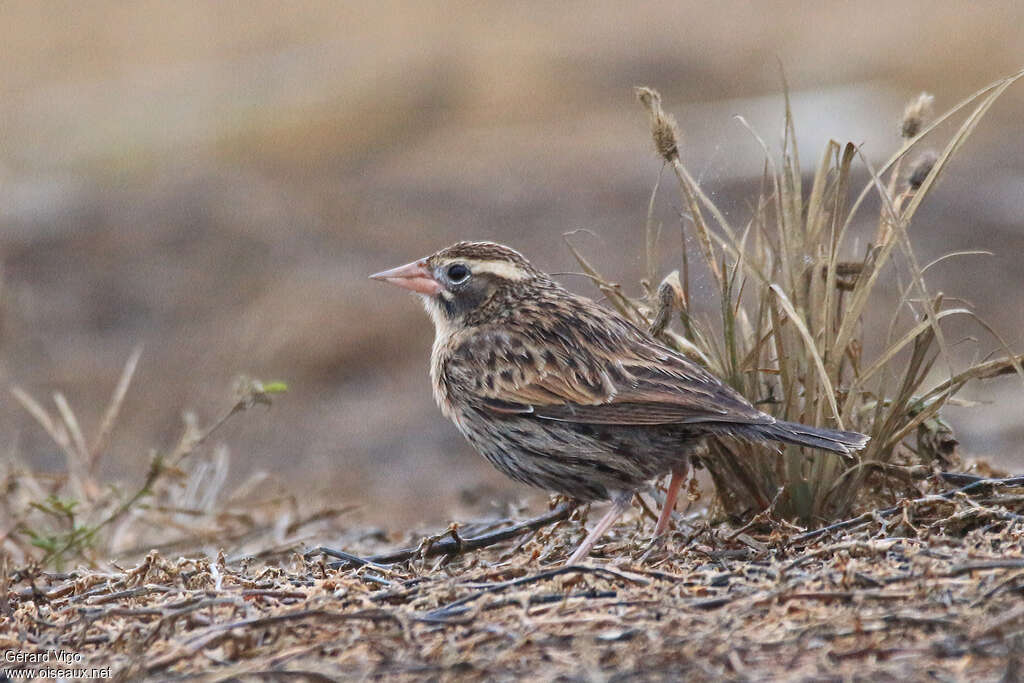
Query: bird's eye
point(458, 273)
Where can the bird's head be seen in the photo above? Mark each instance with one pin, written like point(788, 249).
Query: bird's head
point(461, 280)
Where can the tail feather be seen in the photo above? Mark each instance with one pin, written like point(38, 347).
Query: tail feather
point(843, 443)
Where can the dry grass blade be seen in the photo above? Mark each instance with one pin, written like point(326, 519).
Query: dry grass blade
point(665, 134)
point(99, 443)
point(81, 451)
point(862, 293)
point(812, 351)
point(996, 91)
point(986, 370)
point(888, 356)
point(622, 304)
point(39, 414)
point(652, 233)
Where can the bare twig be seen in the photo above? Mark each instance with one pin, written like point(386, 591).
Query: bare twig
point(450, 546)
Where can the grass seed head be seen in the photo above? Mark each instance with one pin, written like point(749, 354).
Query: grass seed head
point(916, 115)
point(664, 129)
point(921, 168)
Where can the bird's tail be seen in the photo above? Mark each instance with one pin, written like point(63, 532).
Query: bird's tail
point(843, 443)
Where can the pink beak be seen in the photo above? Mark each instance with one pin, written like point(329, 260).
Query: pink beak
point(413, 276)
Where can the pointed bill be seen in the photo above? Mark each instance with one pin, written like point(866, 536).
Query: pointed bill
point(412, 276)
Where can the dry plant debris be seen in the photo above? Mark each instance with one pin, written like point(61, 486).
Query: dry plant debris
point(928, 588)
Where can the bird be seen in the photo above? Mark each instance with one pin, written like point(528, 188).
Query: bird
point(564, 394)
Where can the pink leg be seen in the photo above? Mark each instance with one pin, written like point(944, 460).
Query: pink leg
point(620, 503)
point(674, 484)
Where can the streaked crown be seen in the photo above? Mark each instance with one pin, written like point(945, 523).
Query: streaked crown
point(485, 258)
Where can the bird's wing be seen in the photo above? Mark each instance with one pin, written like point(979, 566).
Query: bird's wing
point(624, 379)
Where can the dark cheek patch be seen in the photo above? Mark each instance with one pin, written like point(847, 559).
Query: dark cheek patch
point(468, 297)
point(448, 305)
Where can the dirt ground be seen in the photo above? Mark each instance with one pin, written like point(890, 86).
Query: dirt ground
point(928, 588)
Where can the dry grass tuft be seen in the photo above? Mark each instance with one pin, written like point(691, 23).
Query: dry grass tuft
point(51, 520)
point(794, 299)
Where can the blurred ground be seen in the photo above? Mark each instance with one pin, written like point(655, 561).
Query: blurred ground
point(216, 180)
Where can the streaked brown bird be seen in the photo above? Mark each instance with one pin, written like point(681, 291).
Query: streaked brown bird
point(561, 393)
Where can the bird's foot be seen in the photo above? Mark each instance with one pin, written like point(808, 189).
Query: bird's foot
point(620, 503)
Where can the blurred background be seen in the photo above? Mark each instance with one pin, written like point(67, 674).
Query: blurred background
point(216, 180)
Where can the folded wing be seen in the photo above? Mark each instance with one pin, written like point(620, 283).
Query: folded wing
point(619, 377)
